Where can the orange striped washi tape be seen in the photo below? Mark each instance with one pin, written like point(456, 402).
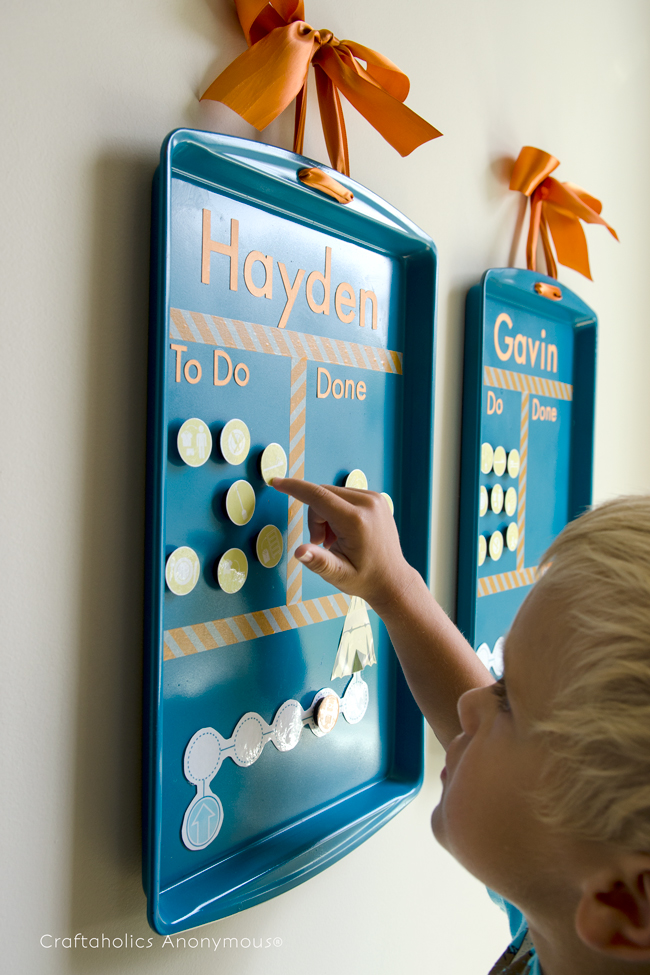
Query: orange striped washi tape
point(523, 478)
point(523, 383)
point(185, 640)
point(489, 585)
point(190, 326)
point(296, 469)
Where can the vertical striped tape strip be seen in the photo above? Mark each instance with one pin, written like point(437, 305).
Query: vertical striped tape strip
point(185, 640)
point(523, 477)
point(190, 326)
point(296, 469)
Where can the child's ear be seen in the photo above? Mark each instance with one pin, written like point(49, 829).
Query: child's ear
point(613, 914)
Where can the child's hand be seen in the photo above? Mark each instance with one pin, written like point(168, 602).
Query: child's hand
point(354, 541)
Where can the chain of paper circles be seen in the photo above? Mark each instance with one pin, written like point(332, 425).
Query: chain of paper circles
point(207, 749)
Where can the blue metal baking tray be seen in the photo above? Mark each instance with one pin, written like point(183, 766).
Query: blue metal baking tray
point(313, 323)
point(529, 389)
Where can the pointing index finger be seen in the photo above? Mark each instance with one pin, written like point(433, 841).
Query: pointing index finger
point(328, 503)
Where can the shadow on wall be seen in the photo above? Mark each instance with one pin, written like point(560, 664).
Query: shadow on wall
point(106, 852)
point(106, 887)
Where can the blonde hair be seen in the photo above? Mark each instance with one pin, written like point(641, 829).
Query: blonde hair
point(596, 780)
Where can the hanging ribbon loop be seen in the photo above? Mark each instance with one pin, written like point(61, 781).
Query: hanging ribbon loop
point(265, 79)
point(556, 210)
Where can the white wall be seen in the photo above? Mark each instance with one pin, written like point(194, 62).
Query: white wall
point(89, 91)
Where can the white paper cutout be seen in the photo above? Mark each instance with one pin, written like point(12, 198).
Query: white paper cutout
point(492, 659)
point(204, 815)
point(357, 646)
point(206, 751)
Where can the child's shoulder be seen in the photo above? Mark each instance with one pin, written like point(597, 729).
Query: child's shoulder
point(520, 957)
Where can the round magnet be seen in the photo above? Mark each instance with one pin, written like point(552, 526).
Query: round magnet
point(248, 739)
point(182, 570)
point(482, 500)
point(357, 479)
point(513, 463)
point(511, 502)
point(496, 498)
point(232, 570)
point(194, 442)
point(482, 549)
point(273, 462)
point(240, 502)
point(496, 546)
point(512, 536)
point(287, 726)
point(499, 461)
point(327, 713)
point(269, 546)
point(389, 501)
point(487, 457)
point(235, 441)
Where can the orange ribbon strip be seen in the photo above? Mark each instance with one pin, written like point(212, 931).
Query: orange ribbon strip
point(556, 210)
point(266, 78)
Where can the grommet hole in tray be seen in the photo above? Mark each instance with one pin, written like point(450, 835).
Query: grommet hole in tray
point(548, 290)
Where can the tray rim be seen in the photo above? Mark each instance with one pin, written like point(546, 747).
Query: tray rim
point(520, 280)
point(363, 826)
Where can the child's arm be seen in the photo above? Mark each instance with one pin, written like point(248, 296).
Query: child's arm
point(361, 555)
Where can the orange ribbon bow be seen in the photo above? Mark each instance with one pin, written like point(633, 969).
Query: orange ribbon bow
point(557, 208)
point(263, 80)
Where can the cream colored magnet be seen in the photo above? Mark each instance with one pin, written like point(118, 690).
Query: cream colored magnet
point(482, 500)
point(235, 441)
point(357, 479)
point(482, 549)
point(513, 463)
point(496, 499)
point(327, 713)
point(194, 442)
point(511, 502)
point(182, 570)
point(499, 461)
point(496, 546)
point(512, 536)
point(273, 462)
point(240, 502)
point(389, 502)
point(487, 457)
point(232, 570)
point(269, 546)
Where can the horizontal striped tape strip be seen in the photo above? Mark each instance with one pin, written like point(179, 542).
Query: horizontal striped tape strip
point(489, 585)
point(523, 383)
point(190, 326)
point(185, 640)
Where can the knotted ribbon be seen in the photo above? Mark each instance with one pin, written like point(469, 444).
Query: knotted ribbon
point(556, 210)
point(263, 80)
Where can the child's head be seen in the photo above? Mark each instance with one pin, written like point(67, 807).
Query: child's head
point(596, 784)
point(547, 791)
